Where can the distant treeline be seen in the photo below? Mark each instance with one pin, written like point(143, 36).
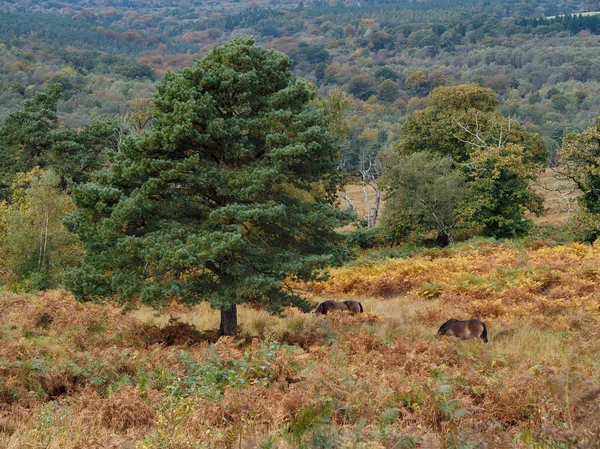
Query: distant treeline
point(62, 31)
point(571, 23)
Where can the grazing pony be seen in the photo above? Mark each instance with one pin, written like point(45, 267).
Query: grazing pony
point(347, 306)
point(464, 329)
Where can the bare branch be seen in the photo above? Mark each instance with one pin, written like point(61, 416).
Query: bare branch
point(348, 200)
point(474, 134)
point(569, 196)
point(477, 135)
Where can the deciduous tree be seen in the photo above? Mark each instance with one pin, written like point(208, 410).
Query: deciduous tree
point(417, 84)
point(361, 86)
point(34, 244)
point(496, 154)
point(388, 92)
point(423, 194)
point(579, 159)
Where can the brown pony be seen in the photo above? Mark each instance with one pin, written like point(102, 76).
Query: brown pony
point(347, 306)
point(464, 329)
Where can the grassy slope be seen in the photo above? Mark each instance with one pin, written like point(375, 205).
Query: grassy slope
point(82, 375)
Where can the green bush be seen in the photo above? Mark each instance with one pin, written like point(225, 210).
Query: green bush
point(365, 238)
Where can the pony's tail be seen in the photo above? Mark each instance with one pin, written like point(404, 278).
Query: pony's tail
point(484, 333)
point(320, 309)
point(361, 308)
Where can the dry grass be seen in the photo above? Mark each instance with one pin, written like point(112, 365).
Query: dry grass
point(358, 195)
point(86, 376)
point(557, 196)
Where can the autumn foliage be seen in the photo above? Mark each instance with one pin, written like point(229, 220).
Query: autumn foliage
point(86, 375)
point(504, 283)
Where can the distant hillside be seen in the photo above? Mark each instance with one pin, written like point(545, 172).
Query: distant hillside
point(387, 55)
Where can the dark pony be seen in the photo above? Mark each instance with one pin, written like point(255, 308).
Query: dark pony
point(464, 329)
point(346, 306)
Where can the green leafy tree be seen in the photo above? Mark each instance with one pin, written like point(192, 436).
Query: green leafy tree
point(579, 159)
point(75, 154)
point(361, 86)
point(140, 114)
point(496, 154)
point(33, 137)
point(437, 78)
point(380, 40)
point(559, 103)
point(386, 73)
point(498, 195)
point(388, 92)
point(135, 70)
point(335, 109)
point(230, 192)
point(417, 84)
point(442, 127)
point(423, 194)
point(34, 244)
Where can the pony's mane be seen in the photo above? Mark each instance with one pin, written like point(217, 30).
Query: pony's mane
point(446, 325)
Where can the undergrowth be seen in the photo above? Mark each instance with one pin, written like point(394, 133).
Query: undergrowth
point(83, 375)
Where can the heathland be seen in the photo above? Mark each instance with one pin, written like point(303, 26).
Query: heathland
point(85, 375)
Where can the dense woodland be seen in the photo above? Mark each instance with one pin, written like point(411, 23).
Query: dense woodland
point(483, 94)
point(544, 70)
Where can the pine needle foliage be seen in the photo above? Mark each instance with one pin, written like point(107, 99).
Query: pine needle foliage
point(228, 194)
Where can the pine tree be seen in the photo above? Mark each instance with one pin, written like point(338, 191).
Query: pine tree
point(230, 192)
point(26, 135)
point(34, 137)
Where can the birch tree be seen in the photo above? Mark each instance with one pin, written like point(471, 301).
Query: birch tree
point(35, 245)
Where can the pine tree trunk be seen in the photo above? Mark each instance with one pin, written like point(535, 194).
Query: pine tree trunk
point(229, 321)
